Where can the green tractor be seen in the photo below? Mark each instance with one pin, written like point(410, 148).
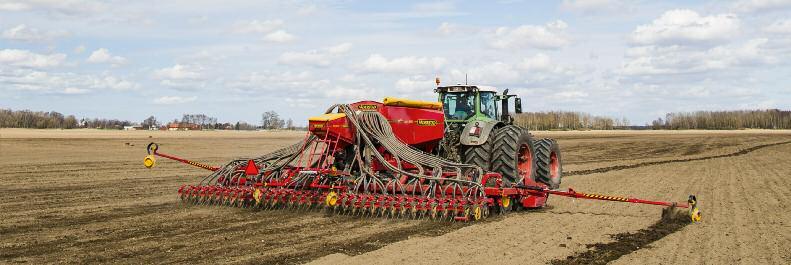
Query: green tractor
point(479, 130)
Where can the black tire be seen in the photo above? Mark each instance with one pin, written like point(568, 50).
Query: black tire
point(510, 143)
point(480, 155)
point(549, 167)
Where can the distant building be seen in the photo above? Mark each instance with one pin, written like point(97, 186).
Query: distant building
point(132, 128)
point(183, 126)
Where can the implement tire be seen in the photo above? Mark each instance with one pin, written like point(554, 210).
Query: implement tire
point(513, 154)
point(549, 168)
point(480, 155)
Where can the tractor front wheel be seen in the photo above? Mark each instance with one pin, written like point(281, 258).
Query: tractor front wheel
point(480, 155)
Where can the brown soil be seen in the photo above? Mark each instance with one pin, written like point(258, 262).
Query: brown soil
point(625, 243)
point(84, 196)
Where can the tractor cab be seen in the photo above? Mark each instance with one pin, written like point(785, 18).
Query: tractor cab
point(465, 103)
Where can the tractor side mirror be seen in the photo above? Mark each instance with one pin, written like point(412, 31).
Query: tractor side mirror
point(518, 105)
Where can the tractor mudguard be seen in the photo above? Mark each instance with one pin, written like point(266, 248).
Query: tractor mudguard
point(469, 138)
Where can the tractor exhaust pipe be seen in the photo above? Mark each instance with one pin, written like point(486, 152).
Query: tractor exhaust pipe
point(504, 101)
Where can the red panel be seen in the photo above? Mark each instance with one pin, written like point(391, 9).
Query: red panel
point(416, 126)
point(534, 201)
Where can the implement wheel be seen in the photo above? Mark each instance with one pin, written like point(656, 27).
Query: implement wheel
point(513, 155)
point(549, 168)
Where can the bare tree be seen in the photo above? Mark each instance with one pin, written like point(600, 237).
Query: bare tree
point(290, 124)
point(271, 120)
point(149, 122)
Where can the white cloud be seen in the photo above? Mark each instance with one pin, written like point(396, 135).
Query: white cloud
point(170, 100)
point(550, 36)
point(319, 58)
point(569, 96)
point(13, 6)
point(340, 48)
point(279, 36)
point(75, 91)
point(26, 58)
point(760, 5)
point(114, 83)
point(102, 55)
point(593, 6)
point(291, 83)
point(272, 29)
point(405, 65)
point(534, 71)
point(453, 29)
point(181, 76)
point(256, 26)
point(64, 83)
point(662, 60)
point(683, 26)
point(780, 26)
point(24, 33)
point(60, 7)
point(179, 72)
point(347, 93)
point(539, 62)
point(415, 85)
point(493, 73)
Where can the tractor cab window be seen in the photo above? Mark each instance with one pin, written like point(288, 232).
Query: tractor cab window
point(458, 106)
point(489, 105)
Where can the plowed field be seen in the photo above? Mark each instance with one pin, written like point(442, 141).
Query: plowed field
point(83, 196)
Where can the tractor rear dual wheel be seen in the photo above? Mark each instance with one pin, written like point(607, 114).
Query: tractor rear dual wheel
point(549, 169)
point(513, 154)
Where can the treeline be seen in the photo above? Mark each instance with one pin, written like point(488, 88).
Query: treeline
point(55, 120)
point(567, 120)
point(725, 120)
point(203, 120)
point(103, 123)
point(36, 119)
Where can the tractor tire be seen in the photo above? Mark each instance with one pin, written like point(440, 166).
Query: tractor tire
point(549, 168)
point(513, 154)
point(480, 155)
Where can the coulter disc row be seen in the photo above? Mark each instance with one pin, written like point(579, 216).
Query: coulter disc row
point(332, 202)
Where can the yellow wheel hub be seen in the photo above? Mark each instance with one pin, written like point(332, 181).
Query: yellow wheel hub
point(505, 201)
point(257, 196)
point(477, 213)
point(694, 212)
point(149, 161)
point(695, 215)
point(332, 198)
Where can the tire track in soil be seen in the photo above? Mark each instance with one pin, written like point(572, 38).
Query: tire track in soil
point(626, 243)
point(366, 244)
point(644, 164)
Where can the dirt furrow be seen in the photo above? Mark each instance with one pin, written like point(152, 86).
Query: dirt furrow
point(622, 167)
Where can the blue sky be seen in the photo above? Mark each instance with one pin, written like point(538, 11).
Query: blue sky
point(236, 59)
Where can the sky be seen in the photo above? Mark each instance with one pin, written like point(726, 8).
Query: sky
point(237, 59)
